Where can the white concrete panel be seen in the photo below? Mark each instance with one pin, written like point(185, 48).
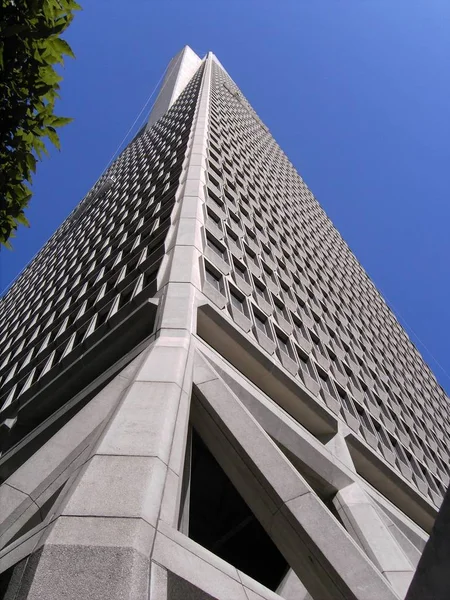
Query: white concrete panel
point(180, 71)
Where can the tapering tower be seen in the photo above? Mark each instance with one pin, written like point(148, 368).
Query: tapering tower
point(203, 394)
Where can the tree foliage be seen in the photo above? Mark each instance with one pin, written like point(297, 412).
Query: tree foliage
point(30, 49)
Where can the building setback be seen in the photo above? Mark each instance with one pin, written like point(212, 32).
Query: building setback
point(203, 395)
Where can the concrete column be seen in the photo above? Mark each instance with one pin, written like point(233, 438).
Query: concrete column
point(182, 285)
point(337, 446)
point(320, 551)
point(178, 74)
point(292, 588)
point(363, 522)
point(100, 545)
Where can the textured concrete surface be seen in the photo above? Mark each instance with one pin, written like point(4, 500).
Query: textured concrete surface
point(178, 74)
point(279, 431)
point(86, 572)
point(292, 588)
point(287, 507)
point(364, 523)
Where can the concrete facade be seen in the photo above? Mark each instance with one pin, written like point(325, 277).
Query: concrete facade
point(179, 72)
point(197, 345)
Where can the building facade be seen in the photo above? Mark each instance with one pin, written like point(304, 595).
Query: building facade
point(203, 395)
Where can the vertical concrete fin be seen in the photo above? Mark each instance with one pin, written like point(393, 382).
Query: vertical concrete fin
point(365, 525)
point(178, 74)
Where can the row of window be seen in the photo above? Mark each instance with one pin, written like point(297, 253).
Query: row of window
point(316, 309)
point(330, 388)
point(268, 230)
point(337, 243)
point(104, 255)
point(39, 367)
point(92, 233)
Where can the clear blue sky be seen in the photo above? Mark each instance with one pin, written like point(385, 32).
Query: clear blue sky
point(356, 92)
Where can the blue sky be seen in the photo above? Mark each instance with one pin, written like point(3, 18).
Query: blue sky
point(356, 92)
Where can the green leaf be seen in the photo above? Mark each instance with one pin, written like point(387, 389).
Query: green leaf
point(4, 241)
point(30, 46)
point(60, 121)
point(53, 137)
point(63, 47)
point(21, 218)
point(49, 76)
point(31, 162)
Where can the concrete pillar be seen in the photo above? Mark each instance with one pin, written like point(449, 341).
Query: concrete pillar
point(178, 74)
point(292, 588)
point(316, 546)
point(363, 522)
point(101, 543)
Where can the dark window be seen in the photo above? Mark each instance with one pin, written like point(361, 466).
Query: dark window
point(304, 362)
point(252, 256)
point(102, 316)
point(240, 270)
point(260, 289)
point(213, 278)
point(126, 296)
point(237, 301)
point(268, 272)
point(212, 215)
point(283, 344)
point(280, 308)
point(364, 418)
point(235, 218)
point(217, 248)
point(262, 323)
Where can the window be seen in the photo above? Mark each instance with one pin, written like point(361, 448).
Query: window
point(280, 309)
point(234, 218)
point(300, 330)
point(103, 315)
point(382, 434)
point(214, 181)
point(214, 278)
point(305, 363)
point(266, 251)
point(217, 247)
point(126, 296)
point(240, 270)
point(364, 418)
point(260, 289)
point(251, 234)
point(398, 449)
point(237, 300)
point(346, 402)
point(233, 236)
point(262, 323)
point(283, 344)
point(325, 382)
point(215, 218)
point(268, 273)
point(251, 255)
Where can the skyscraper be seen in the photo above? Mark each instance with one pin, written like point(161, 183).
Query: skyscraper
point(203, 394)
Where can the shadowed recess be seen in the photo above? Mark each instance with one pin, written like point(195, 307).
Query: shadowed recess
point(221, 521)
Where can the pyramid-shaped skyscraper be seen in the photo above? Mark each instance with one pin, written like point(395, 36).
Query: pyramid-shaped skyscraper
point(203, 395)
